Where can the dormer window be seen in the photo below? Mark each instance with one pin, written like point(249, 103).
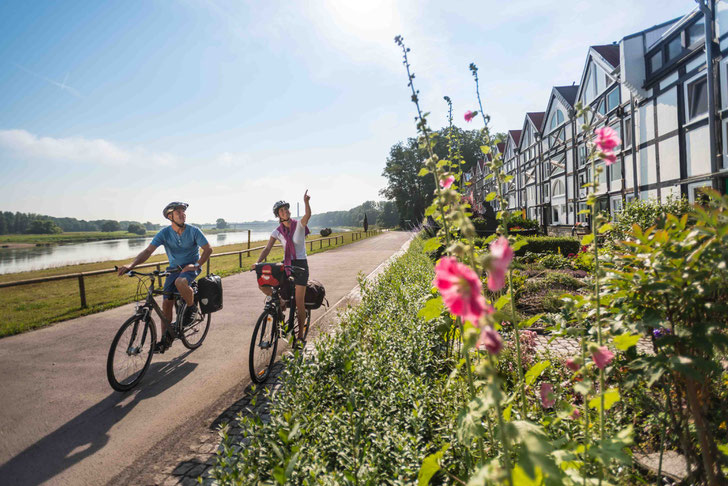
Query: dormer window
point(656, 61)
point(696, 32)
point(674, 48)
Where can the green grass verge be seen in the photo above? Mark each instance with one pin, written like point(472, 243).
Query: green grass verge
point(37, 305)
point(368, 406)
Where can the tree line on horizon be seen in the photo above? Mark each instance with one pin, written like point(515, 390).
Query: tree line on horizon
point(381, 213)
point(31, 223)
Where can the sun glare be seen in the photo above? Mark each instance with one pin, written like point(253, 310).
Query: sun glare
point(368, 20)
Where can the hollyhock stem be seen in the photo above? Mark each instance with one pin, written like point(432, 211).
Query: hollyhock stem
point(471, 386)
point(504, 436)
point(517, 337)
point(585, 404)
point(423, 127)
point(595, 242)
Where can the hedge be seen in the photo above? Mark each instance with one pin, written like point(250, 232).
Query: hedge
point(550, 244)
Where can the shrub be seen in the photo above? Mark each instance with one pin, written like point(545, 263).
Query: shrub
point(519, 222)
point(550, 244)
point(137, 229)
point(368, 406)
point(584, 260)
point(554, 261)
point(646, 214)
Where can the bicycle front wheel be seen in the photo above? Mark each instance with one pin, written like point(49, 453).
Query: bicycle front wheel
point(130, 354)
point(263, 347)
point(193, 333)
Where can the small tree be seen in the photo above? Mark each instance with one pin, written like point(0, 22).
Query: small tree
point(137, 229)
point(221, 223)
point(43, 227)
point(109, 226)
point(366, 223)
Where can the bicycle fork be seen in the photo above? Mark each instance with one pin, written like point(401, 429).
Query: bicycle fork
point(134, 350)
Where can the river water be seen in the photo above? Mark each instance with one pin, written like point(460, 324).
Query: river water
point(14, 260)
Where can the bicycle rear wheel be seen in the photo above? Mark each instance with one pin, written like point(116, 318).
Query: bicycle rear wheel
point(263, 347)
point(130, 353)
point(194, 333)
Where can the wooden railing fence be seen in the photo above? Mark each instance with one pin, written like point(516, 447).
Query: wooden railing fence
point(355, 235)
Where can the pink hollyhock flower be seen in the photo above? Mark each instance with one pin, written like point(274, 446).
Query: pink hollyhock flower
point(609, 157)
point(469, 115)
point(548, 399)
point(575, 414)
point(502, 254)
point(607, 139)
point(490, 340)
point(447, 182)
point(461, 289)
point(602, 356)
point(573, 364)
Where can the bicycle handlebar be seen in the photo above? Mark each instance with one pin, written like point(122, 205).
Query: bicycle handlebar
point(155, 273)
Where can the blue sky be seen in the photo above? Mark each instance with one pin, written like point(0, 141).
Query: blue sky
point(113, 109)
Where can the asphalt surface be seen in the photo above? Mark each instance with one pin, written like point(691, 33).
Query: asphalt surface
point(60, 421)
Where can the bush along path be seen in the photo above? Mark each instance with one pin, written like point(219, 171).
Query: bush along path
point(368, 406)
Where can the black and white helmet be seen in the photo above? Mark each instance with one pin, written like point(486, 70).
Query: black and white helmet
point(279, 205)
point(172, 206)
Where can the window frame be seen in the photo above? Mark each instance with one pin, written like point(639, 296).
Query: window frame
point(686, 91)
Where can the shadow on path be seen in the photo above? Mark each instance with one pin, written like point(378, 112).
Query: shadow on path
point(87, 433)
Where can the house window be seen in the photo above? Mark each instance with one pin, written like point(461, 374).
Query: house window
point(602, 107)
point(582, 155)
point(558, 188)
point(557, 119)
point(697, 97)
point(603, 174)
point(555, 212)
point(696, 32)
point(615, 171)
point(545, 190)
point(612, 100)
point(674, 48)
point(656, 61)
point(627, 140)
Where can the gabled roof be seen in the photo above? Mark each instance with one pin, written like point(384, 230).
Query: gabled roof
point(610, 53)
point(516, 136)
point(501, 147)
point(568, 94)
point(565, 94)
point(537, 119)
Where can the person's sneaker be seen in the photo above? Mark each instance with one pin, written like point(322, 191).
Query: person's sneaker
point(164, 343)
point(190, 313)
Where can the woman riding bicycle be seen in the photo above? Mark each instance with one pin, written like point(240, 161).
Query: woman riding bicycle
point(292, 235)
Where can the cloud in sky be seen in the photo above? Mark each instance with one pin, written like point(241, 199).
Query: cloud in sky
point(24, 146)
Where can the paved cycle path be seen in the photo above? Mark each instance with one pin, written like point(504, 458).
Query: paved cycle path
point(60, 421)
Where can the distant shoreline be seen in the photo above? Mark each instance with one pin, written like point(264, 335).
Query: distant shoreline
point(27, 241)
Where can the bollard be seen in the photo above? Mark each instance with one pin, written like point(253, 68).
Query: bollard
point(82, 291)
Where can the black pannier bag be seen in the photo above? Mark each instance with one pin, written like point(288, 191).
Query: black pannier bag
point(315, 294)
point(209, 293)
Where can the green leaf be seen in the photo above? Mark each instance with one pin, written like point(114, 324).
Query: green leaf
point(611, 397)
point(433, 308)
point(536, 371)
point(430, 210)
point(485, 149)
point(502, 301)
point(584, 211)
point(507, 179)
point(430, 466)
point(519, 244)
point(507, 413)
point(521, 478)
point(432, 244)
point(529, 322)
point(423, 172)
point(605, 227)
point(626, 341)
point(723, 448)
point(587, 239)
point(490, 196)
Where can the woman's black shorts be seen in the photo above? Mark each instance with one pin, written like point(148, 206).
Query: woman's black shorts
point(300, 277)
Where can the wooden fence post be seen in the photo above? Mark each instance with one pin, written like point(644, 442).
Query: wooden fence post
point(248, 245)
point(208, 266)
point(82, 291)
point(240, 259)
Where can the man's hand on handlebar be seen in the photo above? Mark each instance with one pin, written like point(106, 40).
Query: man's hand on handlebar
point(189, 268)
point(122, 270)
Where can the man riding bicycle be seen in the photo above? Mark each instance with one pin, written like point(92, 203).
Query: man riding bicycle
point(181, 243)
point(292, 235)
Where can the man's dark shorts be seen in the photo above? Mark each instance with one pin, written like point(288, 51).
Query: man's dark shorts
point(300, 277)
point(169, 283)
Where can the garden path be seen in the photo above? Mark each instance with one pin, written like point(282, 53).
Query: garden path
point(60, 422)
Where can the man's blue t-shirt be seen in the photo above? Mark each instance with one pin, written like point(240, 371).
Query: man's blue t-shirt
point(181, 249)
